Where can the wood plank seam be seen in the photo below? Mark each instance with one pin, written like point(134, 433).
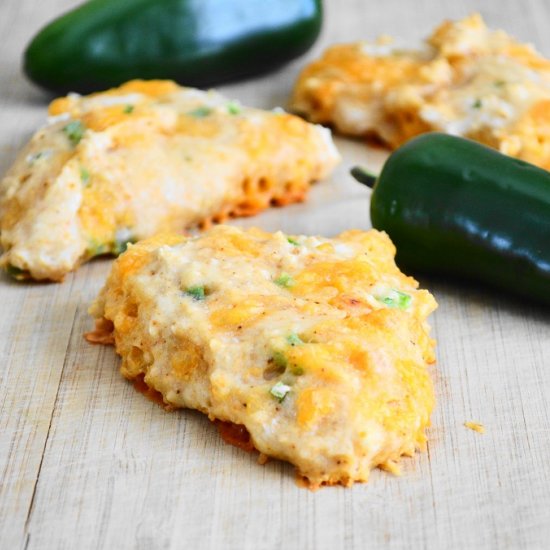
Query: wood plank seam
point(65, 361)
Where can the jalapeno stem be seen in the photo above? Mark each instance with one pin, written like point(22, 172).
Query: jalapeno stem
point(362, 175)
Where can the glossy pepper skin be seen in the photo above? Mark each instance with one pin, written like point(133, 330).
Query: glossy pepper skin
point(200, 43)
point(453, 206)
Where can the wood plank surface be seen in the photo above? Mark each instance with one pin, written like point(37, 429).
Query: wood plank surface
point(87, 462)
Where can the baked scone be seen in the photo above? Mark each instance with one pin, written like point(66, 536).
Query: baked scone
point(150, 156)
point(317, 348)
point(467, 80)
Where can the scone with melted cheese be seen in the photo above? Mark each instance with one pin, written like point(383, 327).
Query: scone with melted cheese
point(319, 348)
point(468, 81)
point(149, 156)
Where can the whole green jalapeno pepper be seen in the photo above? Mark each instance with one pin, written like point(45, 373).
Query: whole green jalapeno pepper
point(453, 206)
point(104, 43)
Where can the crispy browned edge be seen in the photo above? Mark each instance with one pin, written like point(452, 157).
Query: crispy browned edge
point(233, 434)
point(257, 196)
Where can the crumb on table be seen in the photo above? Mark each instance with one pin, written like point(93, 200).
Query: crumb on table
point(475, 426)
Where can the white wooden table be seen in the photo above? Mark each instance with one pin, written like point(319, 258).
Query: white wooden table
point(87, 462)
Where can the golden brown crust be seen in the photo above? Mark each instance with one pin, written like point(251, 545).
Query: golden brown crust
point(102, 333)
point(236, 435)
point(258, 196)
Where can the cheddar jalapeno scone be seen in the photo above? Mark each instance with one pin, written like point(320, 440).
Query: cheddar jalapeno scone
point(318, 348)
point(150, 156)
point(466, 80)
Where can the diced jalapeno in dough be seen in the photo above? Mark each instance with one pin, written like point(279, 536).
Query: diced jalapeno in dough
point(123, 237)
point(74, 132)
point(279, 359)
point(279, 391)
point(294, 340)
point(16, 272)
point(395, 298)
point(96, 248)
point(233, 108)
point(200, 112)
point(84, 176)
point(196, 292)
point(284, 280)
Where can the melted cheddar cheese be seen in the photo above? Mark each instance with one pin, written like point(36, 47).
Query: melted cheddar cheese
point(467, 80)
point(318, 347)
point(149, 156)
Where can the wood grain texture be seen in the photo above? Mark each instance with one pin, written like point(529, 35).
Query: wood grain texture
point(87, 462)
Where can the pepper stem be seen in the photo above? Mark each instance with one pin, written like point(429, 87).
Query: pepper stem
point(362, 175)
